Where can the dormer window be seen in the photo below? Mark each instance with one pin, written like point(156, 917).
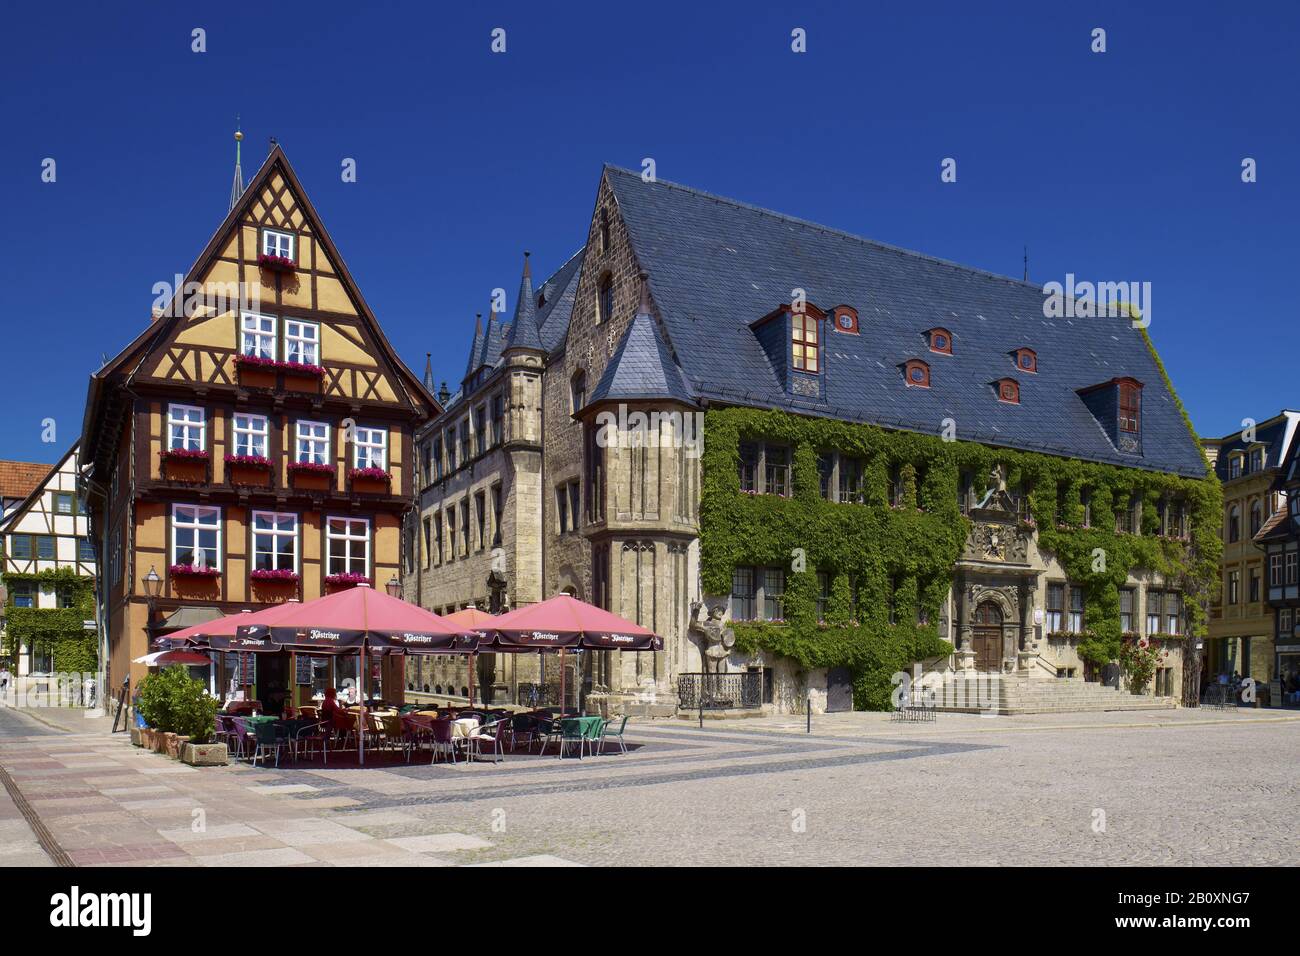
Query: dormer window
point(940, 341)
point(1026, 360)
point(1129, 406)
point(804, 341)
point(846, 319)
point(278, 244)
point(605, 299)
point(917, 373)
point(1008, 390)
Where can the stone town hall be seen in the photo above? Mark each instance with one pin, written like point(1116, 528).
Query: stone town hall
point(681, 301)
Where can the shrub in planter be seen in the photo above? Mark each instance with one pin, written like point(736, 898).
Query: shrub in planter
point(172, 701)
point(174, 744)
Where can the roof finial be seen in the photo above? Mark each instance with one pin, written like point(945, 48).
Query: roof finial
point(527, 271)
point(644, 307)
point(1026, 262)
point(237, 187)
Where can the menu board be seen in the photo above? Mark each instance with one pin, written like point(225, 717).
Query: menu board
point(302, 670)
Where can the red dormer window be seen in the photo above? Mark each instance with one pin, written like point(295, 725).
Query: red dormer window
point(1008, 390)
point(1130, 405)
point(804, 341)
point(940, 341)
point(846, 319)
point(1026, 360)
point(917, 373)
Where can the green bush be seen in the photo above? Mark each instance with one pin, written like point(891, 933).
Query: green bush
point(173, 702)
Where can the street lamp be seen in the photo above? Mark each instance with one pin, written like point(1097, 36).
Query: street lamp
point(393, 587)
point(152, 584)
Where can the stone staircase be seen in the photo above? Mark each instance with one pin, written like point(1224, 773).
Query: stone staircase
point(1016, 694)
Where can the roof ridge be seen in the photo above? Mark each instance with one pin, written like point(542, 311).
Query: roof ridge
point(830, 230)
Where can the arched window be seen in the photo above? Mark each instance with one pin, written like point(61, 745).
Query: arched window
point(916, 373)
point(1256, 518)
point(605, 299)
point(1008, 390)
point(577, 391)
point(1026, 360)
point(940, 341)
point(1128, 406)
point(1234, 524)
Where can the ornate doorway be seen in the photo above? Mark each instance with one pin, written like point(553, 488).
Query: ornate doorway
point(986, 637)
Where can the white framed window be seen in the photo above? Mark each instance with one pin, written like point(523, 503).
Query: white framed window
point(370, 450)
point(196, 535)
point(250, 435)
point(185, 427)
point(313, 442)
point(347, 548)
point(301, 342)
point(258, 335)
point(275, 541)
point(276, 243)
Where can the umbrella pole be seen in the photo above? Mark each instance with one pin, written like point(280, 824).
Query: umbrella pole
point(362, 723)
point(471, 678)
point(561, 681)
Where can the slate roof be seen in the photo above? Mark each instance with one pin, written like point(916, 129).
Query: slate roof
point(1275, 434)
point(717, 265)
point(642, 367)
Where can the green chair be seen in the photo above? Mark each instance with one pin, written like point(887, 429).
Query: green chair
point(574, 731)
point(607, 731)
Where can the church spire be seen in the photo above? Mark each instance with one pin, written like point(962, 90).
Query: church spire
point(237, 187)
point(524, 333)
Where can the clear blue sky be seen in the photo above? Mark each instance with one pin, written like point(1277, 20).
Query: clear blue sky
point(1116, 166)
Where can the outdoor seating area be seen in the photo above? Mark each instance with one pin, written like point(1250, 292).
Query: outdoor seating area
point(408, 734)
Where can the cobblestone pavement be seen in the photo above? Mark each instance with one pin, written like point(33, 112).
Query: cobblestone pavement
point(1173, 787)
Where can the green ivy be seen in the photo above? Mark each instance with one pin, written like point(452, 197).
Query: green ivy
point(917, 544)
point(59, 630)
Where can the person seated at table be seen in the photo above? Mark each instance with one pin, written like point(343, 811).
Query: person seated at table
point(330, 706)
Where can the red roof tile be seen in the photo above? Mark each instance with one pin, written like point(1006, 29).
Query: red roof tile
point(18, 479)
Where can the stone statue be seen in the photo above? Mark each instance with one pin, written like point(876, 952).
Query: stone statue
point(716, 640)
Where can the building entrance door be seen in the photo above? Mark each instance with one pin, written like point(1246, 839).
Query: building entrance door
point(986, 637)
point(839, 690)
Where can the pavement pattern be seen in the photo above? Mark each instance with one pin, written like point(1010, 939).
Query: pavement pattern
point(1170, 787)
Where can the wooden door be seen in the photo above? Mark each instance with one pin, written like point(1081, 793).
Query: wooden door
point(986, 637)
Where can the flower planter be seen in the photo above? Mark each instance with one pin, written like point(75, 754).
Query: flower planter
point(312, 480)
point(255, 372)
point(190, 571)
point(276, 263)
point(205, 755)
point(255, 475)
point(173, 745)
point(341, 581)
point(159, 742)
point(264, 576)
point(137, 736)
point(188, 468)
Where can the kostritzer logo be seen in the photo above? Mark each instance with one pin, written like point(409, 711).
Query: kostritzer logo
point(73, 909)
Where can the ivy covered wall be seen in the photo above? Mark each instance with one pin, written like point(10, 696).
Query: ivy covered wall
point(917, 543)
point(60, 630)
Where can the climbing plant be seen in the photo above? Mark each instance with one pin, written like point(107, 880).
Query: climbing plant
point(913, 544)
point(59, 630)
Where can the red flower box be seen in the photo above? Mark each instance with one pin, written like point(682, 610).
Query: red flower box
point(310, 468)
point(349, 580)
point(256, 361)
point(191, 571)
point(302, 368)
point(249, 461)
point(275, 574)
point(369, 474)
point(272, 365)
point(184, 454)
point(276, 263)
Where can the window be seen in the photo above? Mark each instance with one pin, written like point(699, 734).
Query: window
point(464, 454)
point(1234, 587)
point(604, 231)
point(437, 458)
point(1155, 604)
point(276, 243)
point(1173, 612)
point(1076, 609)
point(823, 593)
point(940, 341)
point(1254, 586)
point(22, 594)
point(744, 595)
point(1085, 498)
point(1234, 524)
point(1275, 570)
point(1009, 391)
point(427, 527)
point(1256, 518)
point(748, 466)
point(1126, 520)
point(1291, 567)
point(1234, 467)
point(498, 419)
point(845, 319)
point(1128, 407)
point(275, 541)
point(851, 473)
point(605, 300)
point(313, 442)
point(916, 373)
point(20, 547)
point(825, 467)
point(965, 491)
point(437, 535)
point(258, 339)
point(196, 536)
point(574, 494)
point(496, 516)
point(577, 392)
point(347, 546)
point(773, 594)
point(776, 470)
point(1026, 360)
point(480, 518)
point(481, 443)
point(301, 342)
point(1126, 598)
point(85, 549)
point(562, 510)
point(185, 427)
point(803, 337)
point(64, 503)
point(250, 435)
point(464, 525)
point(370, 448)
point(45, 547)
point(451, 450)
point(1257, 459)
point(894, 492)
point(1284, 624)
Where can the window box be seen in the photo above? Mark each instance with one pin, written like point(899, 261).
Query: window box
point(184, 454)
point(260, 462)
point(192, 571)
point(310, 468)
point(278, 576)
point(303, 369)
point(369, 474)
point(346, 580)
point(256, 361)
point(276, 263)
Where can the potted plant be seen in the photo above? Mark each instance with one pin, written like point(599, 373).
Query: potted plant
point(369, 479)
point(192, 571)
point(346, 580)
point(179, 711)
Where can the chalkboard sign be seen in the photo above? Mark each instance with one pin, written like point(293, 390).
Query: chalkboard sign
point(302, 668)
point(246, 672)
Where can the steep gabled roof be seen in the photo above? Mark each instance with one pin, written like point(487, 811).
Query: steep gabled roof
point(642, 366)
point(18, 479)
point(719, 264)
point(1275, 435)
point(37, 489)
point(524, 333)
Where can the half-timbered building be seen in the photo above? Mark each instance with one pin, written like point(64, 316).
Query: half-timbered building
point(252, 444)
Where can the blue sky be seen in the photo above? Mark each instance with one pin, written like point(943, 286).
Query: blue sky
point(1117, 166)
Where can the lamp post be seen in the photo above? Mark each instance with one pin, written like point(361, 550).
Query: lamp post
point(393, 587)
point(152, 584)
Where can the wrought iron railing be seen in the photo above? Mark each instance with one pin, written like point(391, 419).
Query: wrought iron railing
point(720, 691)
